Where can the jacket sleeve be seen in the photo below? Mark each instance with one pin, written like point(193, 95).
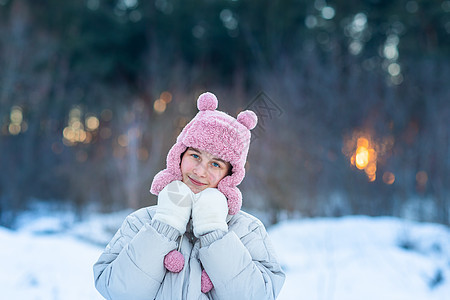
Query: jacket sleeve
point(243, 268)
point(131, 266)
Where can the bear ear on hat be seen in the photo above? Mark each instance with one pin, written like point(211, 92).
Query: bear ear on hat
point(207, 101)
point(248, 119)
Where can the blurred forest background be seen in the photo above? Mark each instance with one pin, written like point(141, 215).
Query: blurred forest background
point(353, 99)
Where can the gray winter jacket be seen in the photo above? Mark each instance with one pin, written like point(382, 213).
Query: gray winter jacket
point(240, 263)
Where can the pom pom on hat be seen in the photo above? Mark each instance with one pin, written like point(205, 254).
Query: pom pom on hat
point(248, 119)
point(174, 261)
point(206, 283)
point(207, 101)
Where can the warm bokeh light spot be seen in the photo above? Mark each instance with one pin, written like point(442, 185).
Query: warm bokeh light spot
point(122, 140)
point(166, 97)
point(361, 149)
point(16, 115)
point(76, 125)
point(388, 178)
point(159, 106)
point(361, 157)
point(371, 168)
point(362, 142)
point(81, 136)
point(16, 124)
point(75, 113)
point(373, 155)
point(69, 134)
point(92, 123)
point(74, 132)
point(14, 129)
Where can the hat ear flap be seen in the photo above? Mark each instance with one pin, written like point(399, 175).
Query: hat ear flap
point(172, 172)
point(174, 158)
point(228, 187)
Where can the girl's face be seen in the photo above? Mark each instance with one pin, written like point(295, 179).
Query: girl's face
point(201, 170)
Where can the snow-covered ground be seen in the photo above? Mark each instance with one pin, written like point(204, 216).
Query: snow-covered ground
point(363, 258)
point(51, 257)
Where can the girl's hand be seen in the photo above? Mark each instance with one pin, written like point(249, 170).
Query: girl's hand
point(174, 205)
point(209, 212)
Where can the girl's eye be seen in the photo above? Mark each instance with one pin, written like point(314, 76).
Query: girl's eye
point(195, 156)
point(216, 165)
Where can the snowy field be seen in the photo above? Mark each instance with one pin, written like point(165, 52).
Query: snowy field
point(324, 259)
point(355, 258)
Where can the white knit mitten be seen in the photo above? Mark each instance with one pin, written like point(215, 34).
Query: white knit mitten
point(174, 205)
point(209, 212)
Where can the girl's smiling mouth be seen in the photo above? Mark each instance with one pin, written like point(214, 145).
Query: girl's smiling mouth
point(198, 183)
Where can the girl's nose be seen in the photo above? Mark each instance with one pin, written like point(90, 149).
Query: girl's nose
point(200, 170)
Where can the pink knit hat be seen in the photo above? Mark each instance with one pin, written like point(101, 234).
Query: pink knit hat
point(221, 135)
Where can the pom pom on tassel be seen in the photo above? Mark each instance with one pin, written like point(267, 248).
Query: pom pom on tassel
point(174, 261)
point(206, 284)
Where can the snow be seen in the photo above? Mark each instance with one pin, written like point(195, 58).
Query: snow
point(363, 258)
point(46, 267)
point(358, 257)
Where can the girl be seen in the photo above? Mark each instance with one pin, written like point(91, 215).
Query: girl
point(195, 243)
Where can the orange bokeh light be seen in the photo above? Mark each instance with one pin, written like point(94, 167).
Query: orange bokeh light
point(362, 142)
point(159, 106)
point(388, 178)
point(363, 154)
point(166, 96)
point(361, 157)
